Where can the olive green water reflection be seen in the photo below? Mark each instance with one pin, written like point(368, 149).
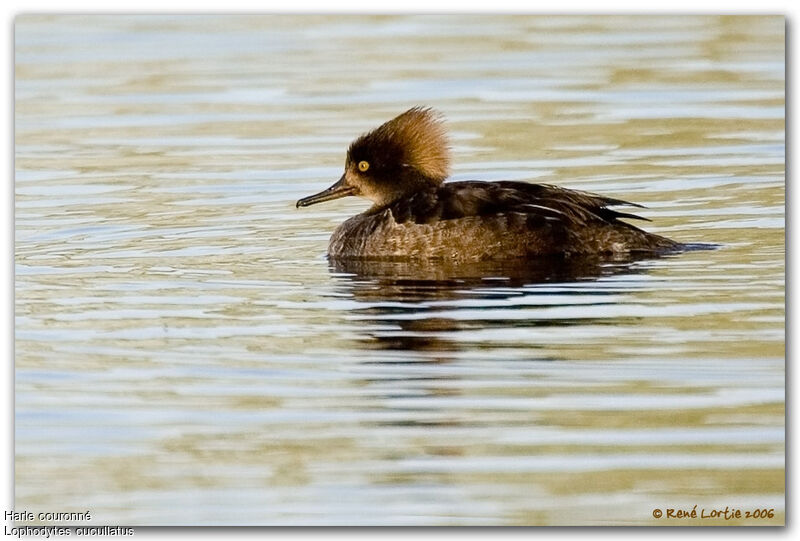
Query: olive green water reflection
point(185, 354)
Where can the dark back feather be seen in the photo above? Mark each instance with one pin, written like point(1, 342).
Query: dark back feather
point(539, 202)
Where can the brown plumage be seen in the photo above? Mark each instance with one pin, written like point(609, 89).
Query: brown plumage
point(401, 167)
point(416, 137)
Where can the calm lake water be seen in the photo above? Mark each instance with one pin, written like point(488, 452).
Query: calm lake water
point(186, 354)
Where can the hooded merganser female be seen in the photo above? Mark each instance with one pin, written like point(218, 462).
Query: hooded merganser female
point(401, 167)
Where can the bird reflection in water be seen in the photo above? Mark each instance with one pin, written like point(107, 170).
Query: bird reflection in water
point(405, 300)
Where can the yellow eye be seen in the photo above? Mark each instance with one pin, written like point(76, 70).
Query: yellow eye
point(363, 166)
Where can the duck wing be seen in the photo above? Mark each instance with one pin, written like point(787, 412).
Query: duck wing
point(539, 202)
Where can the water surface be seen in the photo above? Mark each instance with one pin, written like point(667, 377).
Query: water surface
point(185, 353)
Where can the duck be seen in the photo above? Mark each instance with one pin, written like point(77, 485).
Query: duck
point(402, 166)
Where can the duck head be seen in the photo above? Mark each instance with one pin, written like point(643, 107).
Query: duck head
point(402, 156)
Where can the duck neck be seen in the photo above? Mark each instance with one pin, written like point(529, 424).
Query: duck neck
point(405, 186)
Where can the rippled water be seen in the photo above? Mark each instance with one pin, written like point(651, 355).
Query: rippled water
point(185, 353)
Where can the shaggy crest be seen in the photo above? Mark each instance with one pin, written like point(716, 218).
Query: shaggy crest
point(420, 133)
